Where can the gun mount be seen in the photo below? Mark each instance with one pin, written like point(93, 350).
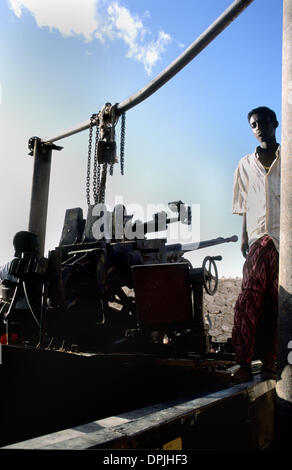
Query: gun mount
point(112, 293)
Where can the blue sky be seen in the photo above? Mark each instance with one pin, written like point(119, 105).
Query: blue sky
point(61, 60)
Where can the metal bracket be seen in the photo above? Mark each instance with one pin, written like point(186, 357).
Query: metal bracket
point(50, 145)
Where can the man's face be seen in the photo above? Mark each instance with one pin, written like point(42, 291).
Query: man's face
point(263, 127)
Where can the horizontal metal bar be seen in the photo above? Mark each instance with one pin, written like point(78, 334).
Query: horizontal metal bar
point(189, 54)
point(71, 131)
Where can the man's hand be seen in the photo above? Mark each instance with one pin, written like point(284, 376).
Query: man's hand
point(244, 248)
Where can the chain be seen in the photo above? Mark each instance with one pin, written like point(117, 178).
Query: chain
point(122, 151)
point(89, 162)
point(99, 181)
point(98, 185)
point(101, 196)
point(96, 169)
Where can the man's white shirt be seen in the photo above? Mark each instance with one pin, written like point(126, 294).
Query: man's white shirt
point(256, 192)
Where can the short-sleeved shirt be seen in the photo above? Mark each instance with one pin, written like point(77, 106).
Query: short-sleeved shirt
point(4, 275)
point(256, 193)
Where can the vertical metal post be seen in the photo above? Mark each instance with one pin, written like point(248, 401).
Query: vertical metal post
point(40, 190)
point(284, 381)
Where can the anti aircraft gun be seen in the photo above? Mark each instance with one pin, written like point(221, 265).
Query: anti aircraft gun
point(113, 315)
point(109, 288)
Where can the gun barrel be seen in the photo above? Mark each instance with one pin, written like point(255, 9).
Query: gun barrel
point(183, 248)
point(159, 223)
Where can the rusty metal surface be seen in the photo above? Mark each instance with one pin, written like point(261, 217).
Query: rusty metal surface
point(193, 423)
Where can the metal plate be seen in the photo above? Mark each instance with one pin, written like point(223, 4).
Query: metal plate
point(163, 293)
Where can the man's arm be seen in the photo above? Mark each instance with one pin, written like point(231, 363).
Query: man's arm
point(239, 201)
point(244, 237)
point(4, 273)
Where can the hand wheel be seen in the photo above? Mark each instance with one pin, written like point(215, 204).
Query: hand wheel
point(210, 274)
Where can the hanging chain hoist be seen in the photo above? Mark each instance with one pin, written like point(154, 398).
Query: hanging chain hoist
point(105, 149)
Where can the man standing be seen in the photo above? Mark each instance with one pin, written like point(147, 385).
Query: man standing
point(256, 196)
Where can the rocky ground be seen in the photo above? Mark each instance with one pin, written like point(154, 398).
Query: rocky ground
point(218, 309)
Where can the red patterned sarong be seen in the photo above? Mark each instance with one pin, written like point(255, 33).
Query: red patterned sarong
point(255, 313)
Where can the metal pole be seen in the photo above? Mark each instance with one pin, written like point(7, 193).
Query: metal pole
point(40, 191)
point(189, 54)
point(284, 381)
point(73, 130)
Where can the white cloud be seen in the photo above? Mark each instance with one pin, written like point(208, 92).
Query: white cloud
point(150, 53)
point(99, 19)
point(126, 26)
point(121, 24)
point(68, 16)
